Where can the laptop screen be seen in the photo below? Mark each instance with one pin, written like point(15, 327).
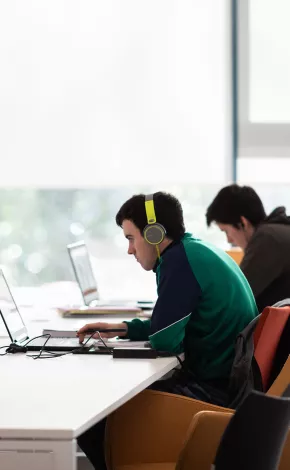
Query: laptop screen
point(10, 313)
point(82, 267)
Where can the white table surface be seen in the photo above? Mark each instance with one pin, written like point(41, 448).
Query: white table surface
point(62, 397)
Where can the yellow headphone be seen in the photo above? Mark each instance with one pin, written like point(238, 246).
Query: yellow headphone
point(154, 233)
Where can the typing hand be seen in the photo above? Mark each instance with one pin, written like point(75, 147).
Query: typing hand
point(85, 330)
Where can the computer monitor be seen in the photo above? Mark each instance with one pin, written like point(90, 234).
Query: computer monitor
point(82, 267)
point(10, 313)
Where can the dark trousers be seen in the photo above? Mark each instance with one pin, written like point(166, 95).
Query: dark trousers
point(181, 383)
point(92, 444)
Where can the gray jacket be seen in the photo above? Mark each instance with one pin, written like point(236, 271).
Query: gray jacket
point(266, 263)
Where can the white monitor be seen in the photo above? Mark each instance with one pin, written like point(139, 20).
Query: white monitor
point(82, 267)
point(10, 314)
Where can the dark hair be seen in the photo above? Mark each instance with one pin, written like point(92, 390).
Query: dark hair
point(235, 201)
point(168, 213)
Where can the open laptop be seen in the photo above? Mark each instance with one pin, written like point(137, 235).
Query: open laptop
point(86, 280)
point(17, 330)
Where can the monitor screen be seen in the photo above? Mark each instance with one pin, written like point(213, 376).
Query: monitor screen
point(83, 271)
point(10, 313)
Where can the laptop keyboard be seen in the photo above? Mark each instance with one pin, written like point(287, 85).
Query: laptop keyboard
point(64, 342)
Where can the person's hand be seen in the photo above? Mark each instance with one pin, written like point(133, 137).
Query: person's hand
point(103, 326)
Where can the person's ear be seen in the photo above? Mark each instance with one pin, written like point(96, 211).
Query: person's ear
point(244, 222)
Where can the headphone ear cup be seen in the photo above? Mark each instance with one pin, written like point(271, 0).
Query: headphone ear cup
point(154, 234)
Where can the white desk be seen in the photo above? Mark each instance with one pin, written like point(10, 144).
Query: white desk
point(46, 404)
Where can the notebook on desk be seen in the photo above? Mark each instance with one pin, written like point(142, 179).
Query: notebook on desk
point(105, 310)
point(80, 260)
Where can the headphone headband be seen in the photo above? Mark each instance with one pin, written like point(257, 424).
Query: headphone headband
point(154, 233)
point(150, 210)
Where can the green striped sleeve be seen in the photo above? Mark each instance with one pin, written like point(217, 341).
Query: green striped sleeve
point(138, 330)
point(170, 339)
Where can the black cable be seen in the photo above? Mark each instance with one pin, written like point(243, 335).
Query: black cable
point(180, 361)
point(40, 336)
point(17, 348)
point(106, 346)
point(53, 354)
point(43, 346)
point(2, 347)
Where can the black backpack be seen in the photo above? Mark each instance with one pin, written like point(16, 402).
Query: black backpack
point(245, 373)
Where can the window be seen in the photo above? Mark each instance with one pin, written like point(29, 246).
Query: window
point(36, 226)
point(100, 100)
point(264, 78)
point(264, 99)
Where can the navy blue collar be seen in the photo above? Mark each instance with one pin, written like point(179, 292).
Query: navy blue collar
point(173, 243)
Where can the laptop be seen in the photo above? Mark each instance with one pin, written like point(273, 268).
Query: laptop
point(17, 330)
point(86, 280)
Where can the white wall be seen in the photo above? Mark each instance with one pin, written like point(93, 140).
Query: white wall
point(91, 91)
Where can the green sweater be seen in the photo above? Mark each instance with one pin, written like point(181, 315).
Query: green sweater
point(204, 301)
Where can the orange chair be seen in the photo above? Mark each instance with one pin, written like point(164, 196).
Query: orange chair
point(267, 339)
point(237, 254)
point(205, 432)
point(148, 432)
point(203, 440)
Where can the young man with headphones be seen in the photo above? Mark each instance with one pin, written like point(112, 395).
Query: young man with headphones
point(204, 301)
